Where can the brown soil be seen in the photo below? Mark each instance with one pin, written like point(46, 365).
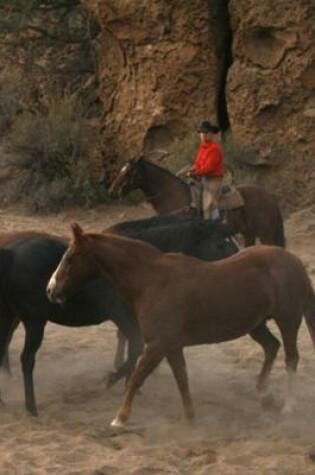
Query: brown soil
point(233, 434)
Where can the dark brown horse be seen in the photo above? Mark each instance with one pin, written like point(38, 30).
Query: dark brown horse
point(260, 217)
point(195, 302)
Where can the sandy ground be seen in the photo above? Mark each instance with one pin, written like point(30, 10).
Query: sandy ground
point(232, 435)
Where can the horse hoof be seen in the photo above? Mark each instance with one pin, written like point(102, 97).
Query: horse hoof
point(117, 422)
point(32, 411)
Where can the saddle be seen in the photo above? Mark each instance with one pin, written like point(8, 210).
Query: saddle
point(229, 198)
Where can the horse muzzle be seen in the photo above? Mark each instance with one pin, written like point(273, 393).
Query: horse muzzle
point(54, 295)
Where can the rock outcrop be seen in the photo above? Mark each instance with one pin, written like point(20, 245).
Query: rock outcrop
point(158, 71)
point(162, 66)
point(271, 90)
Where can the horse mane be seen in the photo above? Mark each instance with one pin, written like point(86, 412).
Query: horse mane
point(166, 172)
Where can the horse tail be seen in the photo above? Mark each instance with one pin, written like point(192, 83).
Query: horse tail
point(309, 314)
point(279, 237)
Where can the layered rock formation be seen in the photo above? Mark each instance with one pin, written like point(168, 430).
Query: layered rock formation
point(270, 90)
point(158, 71)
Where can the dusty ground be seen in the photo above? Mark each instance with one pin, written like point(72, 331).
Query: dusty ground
point(232, 434)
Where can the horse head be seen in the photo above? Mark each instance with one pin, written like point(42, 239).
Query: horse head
point(129, 178)
point(74, 269)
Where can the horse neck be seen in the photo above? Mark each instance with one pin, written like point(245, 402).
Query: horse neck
point(164, 191)
point(128, 264)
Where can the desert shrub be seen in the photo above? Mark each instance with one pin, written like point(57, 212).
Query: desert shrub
point(60, 192)
point(51, 158)
point(9, 102)
point(51, 143)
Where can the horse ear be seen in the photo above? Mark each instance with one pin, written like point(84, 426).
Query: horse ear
point(77, 231)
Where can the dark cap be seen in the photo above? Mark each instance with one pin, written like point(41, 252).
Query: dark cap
point(206, 127)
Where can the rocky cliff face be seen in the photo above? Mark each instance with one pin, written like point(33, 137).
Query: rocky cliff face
point(165, 65)
point(158, 71)
point(270, 90)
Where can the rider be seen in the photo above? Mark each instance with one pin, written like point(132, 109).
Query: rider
point(209, 168)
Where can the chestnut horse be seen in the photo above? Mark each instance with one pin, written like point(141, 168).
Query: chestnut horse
point(260, 217)
point(195, 302)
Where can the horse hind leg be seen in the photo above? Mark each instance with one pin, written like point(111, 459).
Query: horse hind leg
point(177, 363)
point(7, 327)
point(5, 363)
point(270, 345)
point(289, 338)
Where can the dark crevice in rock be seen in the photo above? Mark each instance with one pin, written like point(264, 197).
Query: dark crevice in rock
point(221, 30)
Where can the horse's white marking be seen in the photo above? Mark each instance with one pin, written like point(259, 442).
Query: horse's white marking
point(117, 422)
point(124, 168)
point(52, 282)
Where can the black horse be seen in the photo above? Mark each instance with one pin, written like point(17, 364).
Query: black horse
point(27, 261)
point(206, 240)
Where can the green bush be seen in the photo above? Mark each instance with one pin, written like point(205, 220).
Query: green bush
point(9, 103)
point(52, 163)
point(50, 143)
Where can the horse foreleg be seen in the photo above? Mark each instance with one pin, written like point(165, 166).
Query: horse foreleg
point(5, 363)
point(270, 345)
point(177, 363)
point(34, 333)
point(150, 358)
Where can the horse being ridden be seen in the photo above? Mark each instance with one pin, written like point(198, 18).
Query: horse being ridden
point(259, 218)
point(195, 302)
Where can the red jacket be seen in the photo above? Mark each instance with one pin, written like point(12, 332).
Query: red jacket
point(209, 160)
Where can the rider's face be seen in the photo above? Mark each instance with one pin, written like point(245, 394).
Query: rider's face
point(204, 136)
